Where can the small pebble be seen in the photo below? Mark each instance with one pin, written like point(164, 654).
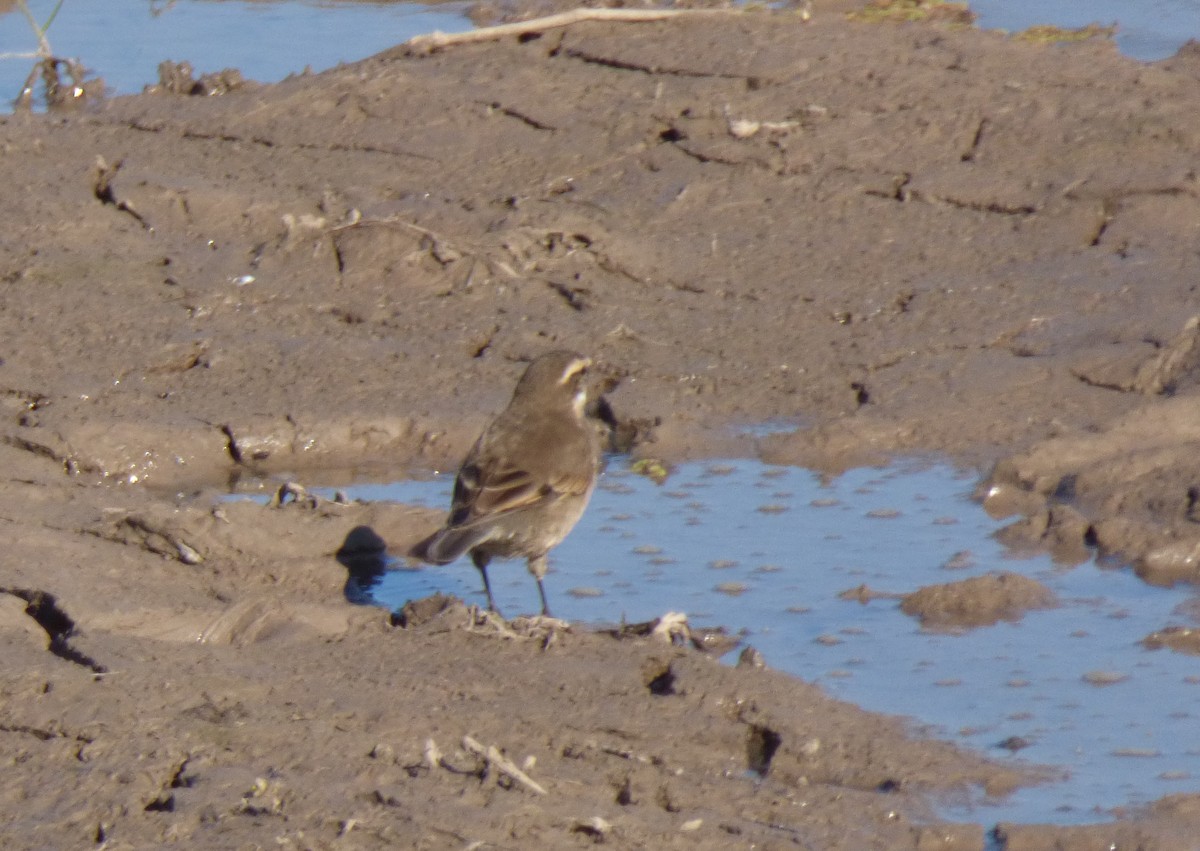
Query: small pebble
point(1104, 678)
point(751, 658)
point(883, 514)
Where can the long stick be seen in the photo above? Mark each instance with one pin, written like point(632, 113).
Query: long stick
point(438, 40)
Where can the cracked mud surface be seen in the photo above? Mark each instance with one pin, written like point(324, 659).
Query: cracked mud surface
point(900, 238)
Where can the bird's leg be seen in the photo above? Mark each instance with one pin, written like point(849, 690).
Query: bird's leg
point(545, 605)
point(538, 566)
point(481, 562)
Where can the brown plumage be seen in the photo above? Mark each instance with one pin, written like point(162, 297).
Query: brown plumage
point(525, 483)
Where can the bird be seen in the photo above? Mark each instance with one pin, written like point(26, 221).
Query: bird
point(527, 480)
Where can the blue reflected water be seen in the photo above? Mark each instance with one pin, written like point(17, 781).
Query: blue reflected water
point(1146, 29)
point(123, 41)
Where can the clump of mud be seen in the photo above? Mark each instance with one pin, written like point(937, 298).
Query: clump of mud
point(978, 601)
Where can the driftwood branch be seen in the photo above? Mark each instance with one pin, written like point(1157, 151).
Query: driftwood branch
point(439, 40)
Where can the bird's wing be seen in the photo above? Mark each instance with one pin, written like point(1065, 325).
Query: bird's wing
point(572, 483)
point(483, 491)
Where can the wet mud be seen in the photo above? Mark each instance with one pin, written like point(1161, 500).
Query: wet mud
point(979, 601)
point(891, 237)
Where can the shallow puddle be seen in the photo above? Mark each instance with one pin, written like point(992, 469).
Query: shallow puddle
point(1146, 29)
point(123, 41)
point(768, 550)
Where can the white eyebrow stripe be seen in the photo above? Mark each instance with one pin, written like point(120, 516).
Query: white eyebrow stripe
point(574, 368)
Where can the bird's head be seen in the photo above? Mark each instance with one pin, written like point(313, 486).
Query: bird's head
point(556, 376)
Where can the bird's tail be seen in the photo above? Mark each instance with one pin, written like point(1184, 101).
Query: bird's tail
point(445, 545)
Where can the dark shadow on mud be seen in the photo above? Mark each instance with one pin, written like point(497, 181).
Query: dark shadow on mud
point(364, 555)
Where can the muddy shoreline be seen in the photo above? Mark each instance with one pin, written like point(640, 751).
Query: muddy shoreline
point(890, 238)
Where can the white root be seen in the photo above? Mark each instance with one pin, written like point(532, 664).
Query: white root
point(502, 764)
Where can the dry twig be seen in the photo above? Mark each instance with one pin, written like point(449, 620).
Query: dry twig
point(439, 40)
point(502, 764)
